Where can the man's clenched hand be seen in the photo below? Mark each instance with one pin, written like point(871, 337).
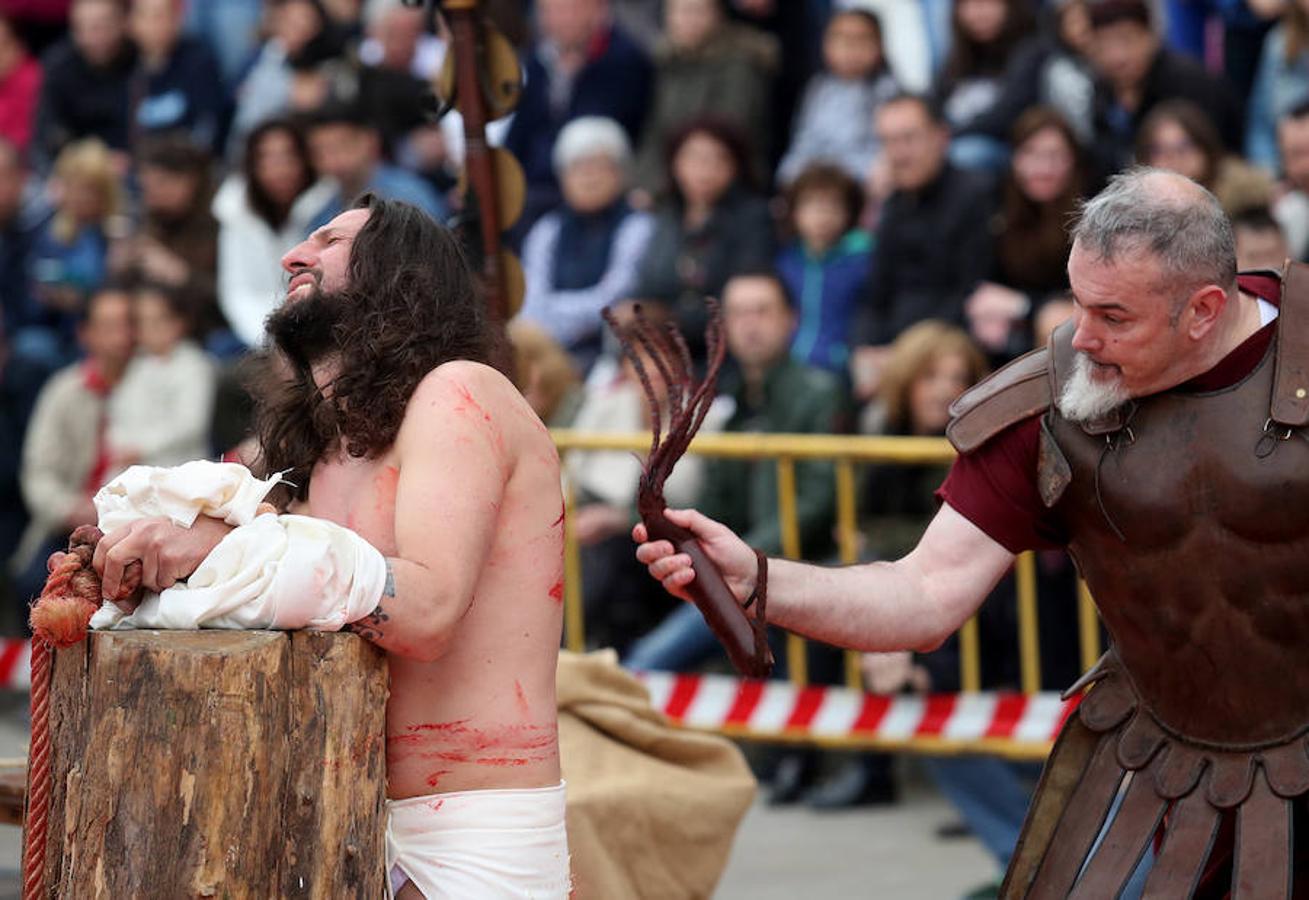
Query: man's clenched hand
point(168, 553)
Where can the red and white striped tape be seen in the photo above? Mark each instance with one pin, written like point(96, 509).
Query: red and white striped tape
point(779, 708)
point(15, 664)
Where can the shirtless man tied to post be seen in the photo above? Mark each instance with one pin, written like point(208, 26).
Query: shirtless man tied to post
point(393, 425)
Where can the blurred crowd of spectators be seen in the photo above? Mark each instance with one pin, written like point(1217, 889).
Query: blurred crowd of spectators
point(877, 191)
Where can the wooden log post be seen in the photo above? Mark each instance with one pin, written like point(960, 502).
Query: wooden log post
point(218, 764)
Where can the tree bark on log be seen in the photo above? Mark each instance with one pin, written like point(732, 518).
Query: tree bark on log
point(218, 764)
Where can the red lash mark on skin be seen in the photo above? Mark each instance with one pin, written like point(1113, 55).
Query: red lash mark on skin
point(432, 781)
point(445, 755)
point(522, 735)
point(563, 510)
point(467, 397)
point(385, 484)
point(496, 437)
point(455, 742)
point(502, 761)
point(522, 698)
point(456, 725)
point(557, 592)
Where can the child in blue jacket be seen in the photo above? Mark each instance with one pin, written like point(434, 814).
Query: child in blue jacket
point(826, 266)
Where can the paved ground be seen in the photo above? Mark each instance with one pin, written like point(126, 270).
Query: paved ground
point(869, 852)
point(779, 853)
point(13, 742)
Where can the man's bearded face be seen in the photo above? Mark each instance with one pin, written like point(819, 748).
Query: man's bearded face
point(1090, 392)
point(1128, 335)
point(305, 329)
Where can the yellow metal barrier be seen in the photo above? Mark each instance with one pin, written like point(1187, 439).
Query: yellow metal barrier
point(574, 618)
point(1088, 625)
point(970, 657)
point(1029, 649)
point(862, 448)
point(845, 451)
point(847, 538)
point(797, 660)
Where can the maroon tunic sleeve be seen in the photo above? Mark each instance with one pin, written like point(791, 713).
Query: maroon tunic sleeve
point(994, 487)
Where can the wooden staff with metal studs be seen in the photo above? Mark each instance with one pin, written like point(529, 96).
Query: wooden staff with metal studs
point(481, 78)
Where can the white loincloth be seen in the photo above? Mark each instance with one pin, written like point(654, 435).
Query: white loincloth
point(480, 845)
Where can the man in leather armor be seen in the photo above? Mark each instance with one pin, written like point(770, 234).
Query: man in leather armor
point(1159, 438)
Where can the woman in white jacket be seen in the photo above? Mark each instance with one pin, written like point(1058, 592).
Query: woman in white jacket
point(263, 211)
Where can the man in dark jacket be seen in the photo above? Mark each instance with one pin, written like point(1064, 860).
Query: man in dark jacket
point(1137, 72)
point(85, 92)
point(933, 243)
point(176, 85)
point(583, 65)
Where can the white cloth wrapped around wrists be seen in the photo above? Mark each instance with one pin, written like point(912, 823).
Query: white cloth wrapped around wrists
point(283, 572)
point(226, 491)
point(271, 571)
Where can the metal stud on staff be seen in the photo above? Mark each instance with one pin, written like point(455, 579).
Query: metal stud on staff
point(482, 80)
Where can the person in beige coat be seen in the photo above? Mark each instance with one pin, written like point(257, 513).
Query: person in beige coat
point(160, 413)
point(65, 454)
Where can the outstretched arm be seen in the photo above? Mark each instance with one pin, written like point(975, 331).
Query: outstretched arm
point(914, 603)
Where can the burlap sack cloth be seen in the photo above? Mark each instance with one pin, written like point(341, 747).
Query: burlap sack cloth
point(652, 809)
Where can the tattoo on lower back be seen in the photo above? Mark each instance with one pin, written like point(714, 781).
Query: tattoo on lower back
point(370, 626)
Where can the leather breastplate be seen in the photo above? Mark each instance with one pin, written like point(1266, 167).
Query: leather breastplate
point(1188, 515)
point(1190, 523)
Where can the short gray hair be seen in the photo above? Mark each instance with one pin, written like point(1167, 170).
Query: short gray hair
point(1176, 220)
point(591, 136)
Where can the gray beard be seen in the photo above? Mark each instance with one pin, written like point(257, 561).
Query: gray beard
point(1084, 399)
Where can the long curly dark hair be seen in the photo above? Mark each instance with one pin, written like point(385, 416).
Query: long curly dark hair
point(411, 304)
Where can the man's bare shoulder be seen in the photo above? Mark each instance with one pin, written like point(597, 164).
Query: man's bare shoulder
point(475, 393)
point(457, 372)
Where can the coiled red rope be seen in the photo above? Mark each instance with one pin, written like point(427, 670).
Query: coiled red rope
point(36, 816)
point(59, 618)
